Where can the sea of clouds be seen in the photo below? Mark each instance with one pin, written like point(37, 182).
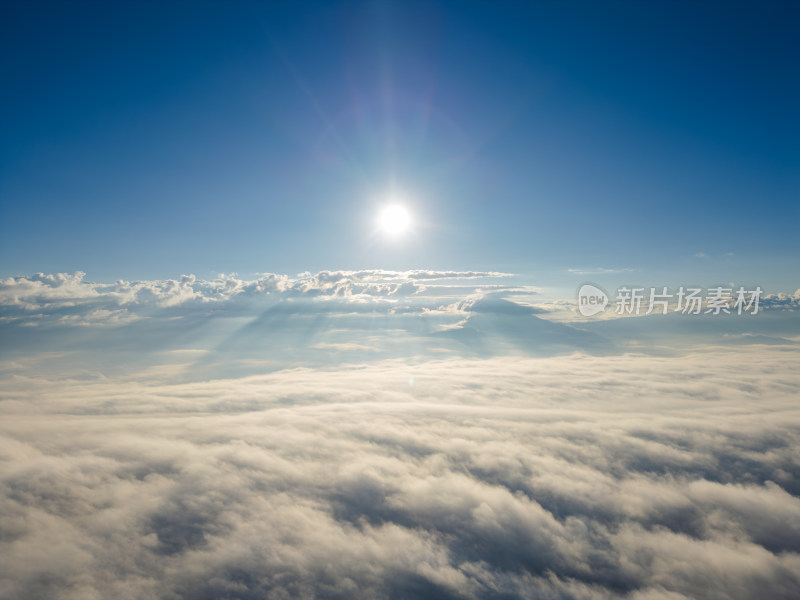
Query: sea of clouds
point(389, 435)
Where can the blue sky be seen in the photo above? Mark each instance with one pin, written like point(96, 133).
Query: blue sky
point(146, 140)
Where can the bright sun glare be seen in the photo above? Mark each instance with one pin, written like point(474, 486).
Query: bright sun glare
point(394, 219)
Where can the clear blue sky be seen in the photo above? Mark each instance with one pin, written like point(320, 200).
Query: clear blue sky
point(150, 139)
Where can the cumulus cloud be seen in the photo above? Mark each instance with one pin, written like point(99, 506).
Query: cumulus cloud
point(69, 299)
point(782, 300)
point(626, 476)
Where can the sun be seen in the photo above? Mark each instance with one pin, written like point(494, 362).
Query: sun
point(394, 220)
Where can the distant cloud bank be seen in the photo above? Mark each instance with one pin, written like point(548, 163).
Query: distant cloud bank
point(72, 299)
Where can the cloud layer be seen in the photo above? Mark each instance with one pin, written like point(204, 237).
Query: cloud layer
point(567, 477)
point(190, 329)
point(69, 298)
point(382, 434)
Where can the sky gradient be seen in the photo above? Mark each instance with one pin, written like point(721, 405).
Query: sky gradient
point(147, 140)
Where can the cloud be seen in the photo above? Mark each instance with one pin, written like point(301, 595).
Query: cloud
point(68, 299)
point(781, 300)
point(345, 346)
point(625, 476)
point(303, 437)
point(418, 274)
point(65, 325)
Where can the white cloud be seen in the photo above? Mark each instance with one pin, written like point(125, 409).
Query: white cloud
point(69, 298)
point(567, 477)
point(226, 438)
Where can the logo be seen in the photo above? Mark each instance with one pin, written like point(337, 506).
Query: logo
point(591, 300)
